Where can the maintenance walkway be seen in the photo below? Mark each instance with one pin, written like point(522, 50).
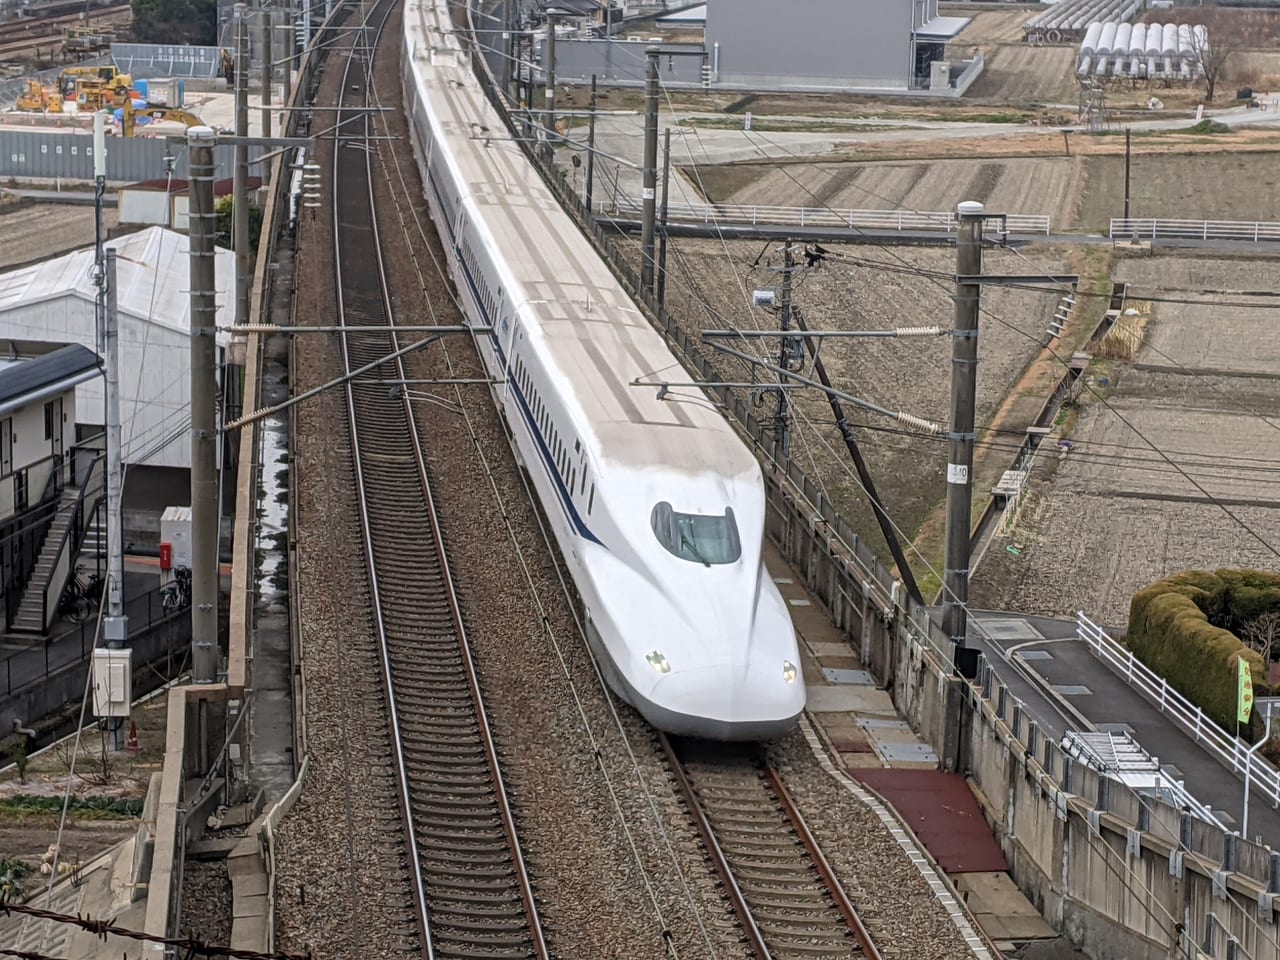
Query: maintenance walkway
point(1065, 687)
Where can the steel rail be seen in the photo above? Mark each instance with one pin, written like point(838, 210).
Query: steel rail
point(422, 919)
point(834, 887)
point(719, 861)
point(495, 786)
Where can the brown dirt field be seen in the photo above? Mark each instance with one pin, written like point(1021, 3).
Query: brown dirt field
point(1025, 74)
point(1049, 185)
point(1205, 186)
point(992, 26)
point(30, 232)
point(907, 375)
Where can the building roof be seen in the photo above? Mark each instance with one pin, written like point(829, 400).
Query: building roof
point(689, 16)
point(52, 373)
point(221, 188)
point(152, 273)
point(941, 29)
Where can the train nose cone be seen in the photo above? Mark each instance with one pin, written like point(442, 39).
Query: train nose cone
point(724, 703)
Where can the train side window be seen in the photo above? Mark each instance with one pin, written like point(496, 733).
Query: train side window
point(591, 500)
point(573, 478)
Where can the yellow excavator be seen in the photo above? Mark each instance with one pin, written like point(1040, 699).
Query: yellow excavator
point(130, 114)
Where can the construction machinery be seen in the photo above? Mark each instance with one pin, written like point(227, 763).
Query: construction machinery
point(130, 115)
point(95, 88)
point(39, 98)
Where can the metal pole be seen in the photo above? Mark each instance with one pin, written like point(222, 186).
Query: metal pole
point(267, 71)
point(1127, 142)
point(591, 148)
point(99, 201)
point(964, 380)
point(240, 180)
point(204, 436)
point(662, 239)
point(306, 23)
point(290, 45)
point(504, 58)
point(650, 168)
point(782, 428)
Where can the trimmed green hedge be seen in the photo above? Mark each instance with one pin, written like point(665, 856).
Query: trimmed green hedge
point(1181, 627)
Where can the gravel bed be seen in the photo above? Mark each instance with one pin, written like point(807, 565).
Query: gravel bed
point(890, 895)
point(607, 883)
point(342, 877)
point(206, 901)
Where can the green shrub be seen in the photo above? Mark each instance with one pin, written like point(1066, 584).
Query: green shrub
point(1181, 627)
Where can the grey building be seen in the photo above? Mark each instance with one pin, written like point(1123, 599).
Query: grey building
point(828, 44)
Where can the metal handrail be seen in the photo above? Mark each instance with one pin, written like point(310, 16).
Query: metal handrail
point(827, 216)
point(1151, 228)
point(1228, 750)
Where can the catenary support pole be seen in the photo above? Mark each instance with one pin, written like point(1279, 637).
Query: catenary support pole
point(964, 380)
point(268, 69)
point(661, 292)
point(204, 434)
point(240, 177)
point(99, 202)
point(506, 51)
point(591, 150)
point(649, 195)
point(115, 625)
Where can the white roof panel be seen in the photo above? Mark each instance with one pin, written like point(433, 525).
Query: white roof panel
point(153, 273)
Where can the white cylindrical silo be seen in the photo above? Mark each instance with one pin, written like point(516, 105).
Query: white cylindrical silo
point(1152, 68)
point(1200, 38)
point(1168, 67)
point(1090, 43)
point(1138, 40)
point(1101, 69)
point(1135, 66)
point(1085, 63)
point(1169, 44)
point(1121, 43)
point(1184, 71)
point(1107, 39)
point(1154, 42)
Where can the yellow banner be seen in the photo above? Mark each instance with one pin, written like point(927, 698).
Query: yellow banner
point(1246, 691)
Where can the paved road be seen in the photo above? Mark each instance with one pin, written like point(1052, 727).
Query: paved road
point(1065, 687)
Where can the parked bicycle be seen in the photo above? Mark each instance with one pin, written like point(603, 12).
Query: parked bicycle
point(176, 594)
point(81, 596)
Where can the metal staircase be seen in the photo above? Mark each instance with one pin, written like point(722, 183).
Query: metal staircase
point(77, 511)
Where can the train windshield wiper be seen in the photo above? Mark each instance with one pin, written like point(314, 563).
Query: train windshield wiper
point(686, 542)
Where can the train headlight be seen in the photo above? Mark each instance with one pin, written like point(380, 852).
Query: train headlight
point(658, 662)
point(789, 671)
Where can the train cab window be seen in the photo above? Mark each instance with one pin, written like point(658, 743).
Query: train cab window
point(696, 537)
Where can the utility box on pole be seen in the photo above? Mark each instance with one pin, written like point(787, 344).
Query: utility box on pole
point(112, 682)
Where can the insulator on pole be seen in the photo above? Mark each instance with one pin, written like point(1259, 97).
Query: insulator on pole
point(920, 331)
point(920, 423)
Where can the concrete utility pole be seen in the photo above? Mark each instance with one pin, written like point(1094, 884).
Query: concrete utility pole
point(99, 201)
point(267, 70)
point(240, 180)
point(549, 67)
point(964, 382)
point(204, 435)
point(115, 624)
point(591, 148)
point(506, 51)
point(1127, 143)
point(782, 428)
point(661, 292)
point(650, 169)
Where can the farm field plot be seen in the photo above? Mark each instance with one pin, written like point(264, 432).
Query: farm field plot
point(1112, 514)
point(1021, 73)
point(1196, 186)
point(1032, 185)
point(710, 285)
point(30, 232)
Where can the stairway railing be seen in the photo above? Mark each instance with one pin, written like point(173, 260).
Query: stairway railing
point(81, 514)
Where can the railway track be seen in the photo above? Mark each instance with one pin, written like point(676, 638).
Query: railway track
point(473, 890)
point(788, 900)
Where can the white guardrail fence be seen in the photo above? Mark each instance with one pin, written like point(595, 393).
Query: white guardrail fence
point(1230, 751)
point(734, 213)
point(1155, 228)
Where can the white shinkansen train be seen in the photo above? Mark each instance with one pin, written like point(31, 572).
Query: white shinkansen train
point(657, 506)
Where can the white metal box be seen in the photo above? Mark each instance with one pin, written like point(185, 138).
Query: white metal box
point(112, 682)
point(175, 529)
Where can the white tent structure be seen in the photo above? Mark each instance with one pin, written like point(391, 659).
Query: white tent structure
point(54, 302)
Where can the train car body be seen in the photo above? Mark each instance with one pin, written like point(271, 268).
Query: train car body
point(656, 504)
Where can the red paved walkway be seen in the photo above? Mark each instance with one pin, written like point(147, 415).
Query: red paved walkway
point(942, 811)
